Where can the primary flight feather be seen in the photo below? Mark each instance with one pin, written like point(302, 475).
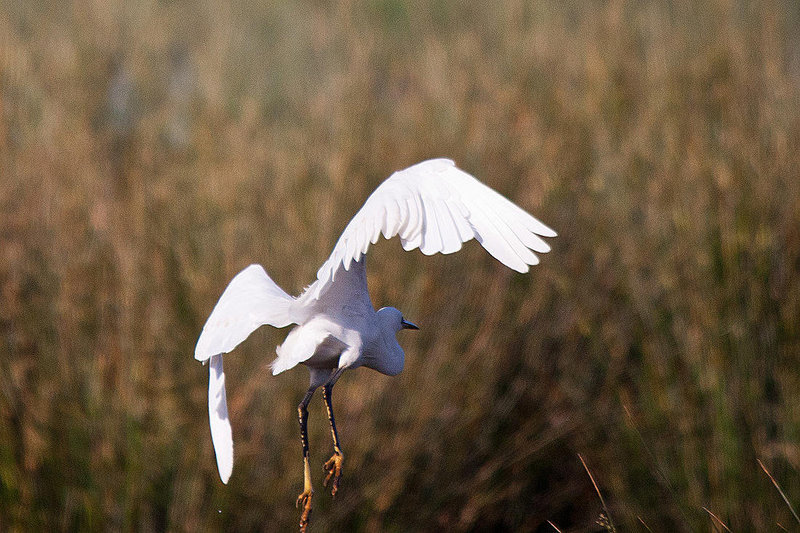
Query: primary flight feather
point(433, 206)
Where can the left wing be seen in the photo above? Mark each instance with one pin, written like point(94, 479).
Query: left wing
point(250, 301)
point(221, 434)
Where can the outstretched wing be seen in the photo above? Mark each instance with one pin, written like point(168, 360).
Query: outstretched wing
point(435, 206)
point(250, 301)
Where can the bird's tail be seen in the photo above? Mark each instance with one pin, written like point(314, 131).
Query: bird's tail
point(251, 300)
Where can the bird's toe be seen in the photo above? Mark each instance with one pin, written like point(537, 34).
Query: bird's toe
point(304, 502)
point(334, 469)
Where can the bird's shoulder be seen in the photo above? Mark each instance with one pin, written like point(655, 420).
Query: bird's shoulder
point(346, 295)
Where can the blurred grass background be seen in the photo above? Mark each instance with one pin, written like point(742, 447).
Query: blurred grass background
point(149, 150)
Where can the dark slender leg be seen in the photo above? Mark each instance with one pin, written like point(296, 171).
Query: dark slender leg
point(305, 497)
point(334, 465)
point(326, 394)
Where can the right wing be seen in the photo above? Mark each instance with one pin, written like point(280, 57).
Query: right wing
point(435, 206)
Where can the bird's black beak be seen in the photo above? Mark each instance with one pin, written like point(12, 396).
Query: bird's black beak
point(408, 325)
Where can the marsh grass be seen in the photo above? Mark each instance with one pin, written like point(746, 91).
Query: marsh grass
point(151, 150)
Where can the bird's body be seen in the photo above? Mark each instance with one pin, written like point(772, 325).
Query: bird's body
point(433, 206)
point(340, 329)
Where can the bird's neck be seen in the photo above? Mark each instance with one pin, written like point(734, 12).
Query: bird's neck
point(388, 359)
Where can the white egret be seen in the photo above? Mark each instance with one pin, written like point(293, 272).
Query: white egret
point(433, 206)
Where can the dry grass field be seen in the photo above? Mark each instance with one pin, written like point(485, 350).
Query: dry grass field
point(150, 149)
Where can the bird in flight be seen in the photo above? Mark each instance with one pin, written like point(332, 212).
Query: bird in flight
point(433, 206)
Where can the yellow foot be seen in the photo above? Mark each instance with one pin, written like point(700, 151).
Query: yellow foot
point(304, 500)
point(334, 469)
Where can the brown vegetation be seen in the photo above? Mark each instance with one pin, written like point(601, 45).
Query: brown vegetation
point(150, 150)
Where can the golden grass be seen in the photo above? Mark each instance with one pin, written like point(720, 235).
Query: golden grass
point(150, 150)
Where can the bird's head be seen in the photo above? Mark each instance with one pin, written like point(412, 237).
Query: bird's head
point(392, 320)
point(389, 359)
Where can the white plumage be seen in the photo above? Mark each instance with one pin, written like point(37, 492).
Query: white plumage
point(433, 206)
point(221, 434)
